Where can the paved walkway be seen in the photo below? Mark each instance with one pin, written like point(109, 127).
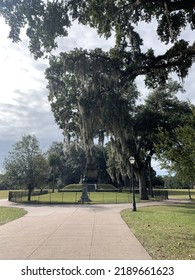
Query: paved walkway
point(73, 232)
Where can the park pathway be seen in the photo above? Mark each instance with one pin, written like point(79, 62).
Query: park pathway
point(72, 232)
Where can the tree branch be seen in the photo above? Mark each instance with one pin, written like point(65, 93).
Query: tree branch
point(172, 6)
point(161, 62)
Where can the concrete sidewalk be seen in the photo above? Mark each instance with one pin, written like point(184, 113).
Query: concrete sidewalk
point(95, 232)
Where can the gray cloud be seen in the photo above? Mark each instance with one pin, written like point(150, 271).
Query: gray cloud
point(30, 114)
point(24, 106)
point(30, 111)
point(5, 147)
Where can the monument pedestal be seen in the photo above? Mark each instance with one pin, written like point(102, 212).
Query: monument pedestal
point(84, 197)
point(91, 171)
point(90, 178)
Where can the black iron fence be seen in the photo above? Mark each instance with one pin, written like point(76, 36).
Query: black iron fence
point(45, 196)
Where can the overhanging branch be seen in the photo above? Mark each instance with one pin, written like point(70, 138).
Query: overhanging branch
point(172, 6)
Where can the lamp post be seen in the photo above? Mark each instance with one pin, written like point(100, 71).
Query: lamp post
point(132, 161)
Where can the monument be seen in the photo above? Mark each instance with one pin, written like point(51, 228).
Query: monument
point(84, 196)
point(91, 171)
point(89, 179)
point(90, 174)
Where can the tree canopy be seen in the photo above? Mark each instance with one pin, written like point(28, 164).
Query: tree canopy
point(162, 112)
point(85, 91)
point(45, 21)
point(176, 151)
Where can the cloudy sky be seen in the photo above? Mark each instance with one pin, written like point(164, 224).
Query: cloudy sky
point(24, 108)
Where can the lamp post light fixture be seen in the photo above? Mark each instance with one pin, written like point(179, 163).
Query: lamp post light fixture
point(132, 161)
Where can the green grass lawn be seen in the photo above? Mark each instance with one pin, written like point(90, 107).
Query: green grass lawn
point(181, 193)
point(8, 214)
point(3, 194)
point(166, 232)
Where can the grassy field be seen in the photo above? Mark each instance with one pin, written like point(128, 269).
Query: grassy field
point(8, 214)
point(3, 194)
point(166, 232)
point(181, 193)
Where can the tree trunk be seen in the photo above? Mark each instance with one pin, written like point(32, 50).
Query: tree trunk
point(29, 193)
point(189, 193)
point(150, 178)
point(142, 183)
point(53, 183)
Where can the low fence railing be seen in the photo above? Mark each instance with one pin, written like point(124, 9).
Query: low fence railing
point(46, 196)
point(163, 194)
point(19, 196)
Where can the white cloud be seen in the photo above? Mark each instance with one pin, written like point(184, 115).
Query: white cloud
point(83, 37)
point(24, 106)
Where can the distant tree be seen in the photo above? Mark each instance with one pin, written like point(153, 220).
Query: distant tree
point(25, 166)
point(54, 164)
point(56, 160)
point(75, 163)
point(158, 181)
point(172, 182)
point(75, 160)
point(55, 157)
point(176, 151)
point(4, 184)
point(67, 162)
point(101, 157)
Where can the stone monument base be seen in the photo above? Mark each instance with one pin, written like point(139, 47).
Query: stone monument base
point(84, 197)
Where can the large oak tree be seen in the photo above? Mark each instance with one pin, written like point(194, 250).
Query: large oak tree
point(96, 86)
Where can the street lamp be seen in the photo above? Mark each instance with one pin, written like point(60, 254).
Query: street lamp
point(132, 161)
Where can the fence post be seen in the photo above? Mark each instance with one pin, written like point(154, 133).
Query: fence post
point(10, 196)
